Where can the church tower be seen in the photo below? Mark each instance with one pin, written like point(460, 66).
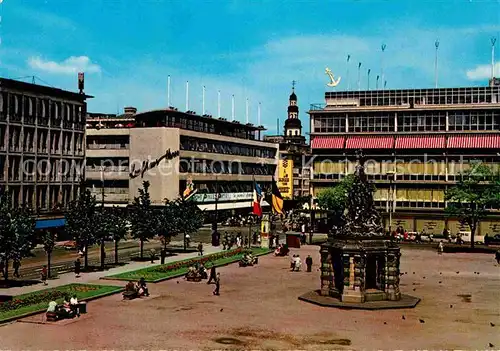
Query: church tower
point(293, 126)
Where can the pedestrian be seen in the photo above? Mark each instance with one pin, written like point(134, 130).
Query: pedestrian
point(309, 263)
point(200, 249)
point(497, 256)
point(213, 275)
point(2, 267)
point(440, 248)
point(16, 264)
point(152, 254)
point(78, 266)
point(298, 263)
point(217, 285)
point(292, 262)
point(44, 275)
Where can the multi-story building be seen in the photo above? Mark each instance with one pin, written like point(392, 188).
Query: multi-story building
point(171, 149)
point(293, 172)
point(42, 153)
point(416, 143)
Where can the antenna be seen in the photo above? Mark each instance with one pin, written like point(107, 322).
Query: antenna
point(246, 107)
point(493, 41)
point(382, 60)
point(347, 75)
point(436, 64)
point(385, 83)
point(368, 78)
point(359, 76)
point(232, 107)
point(203, 101)
point(187, 95)
point(376, 83)
point(258, 114)
point(168, 91)
point(218, 103)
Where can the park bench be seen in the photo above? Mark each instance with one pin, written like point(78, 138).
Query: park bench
point(130, 295)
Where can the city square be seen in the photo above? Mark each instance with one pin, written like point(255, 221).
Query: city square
point(259, 309)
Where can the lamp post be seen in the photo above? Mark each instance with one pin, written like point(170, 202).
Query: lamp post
point(390, 176)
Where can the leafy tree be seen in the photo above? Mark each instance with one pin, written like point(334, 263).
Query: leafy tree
point(81, 221)
point(476, 191)
point(102, 228)
point(189, 218)
point(334, 199)
point(17, 232)
point(168, 222)
point(118, 227)
point(49, 241)
point(144, 221)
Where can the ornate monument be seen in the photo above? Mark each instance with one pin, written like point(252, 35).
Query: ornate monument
point(359, 263)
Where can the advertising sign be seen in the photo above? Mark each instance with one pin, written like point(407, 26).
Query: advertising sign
point(201, 198)
point(285, 178)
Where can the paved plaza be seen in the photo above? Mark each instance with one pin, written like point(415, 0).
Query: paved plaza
point(258, 309)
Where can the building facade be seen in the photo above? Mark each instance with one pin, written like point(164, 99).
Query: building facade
point(42, 145)
point(416, 143)
point(173, 149)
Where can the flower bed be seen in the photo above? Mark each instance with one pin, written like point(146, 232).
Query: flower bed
point(38, 301)
point(179, 268)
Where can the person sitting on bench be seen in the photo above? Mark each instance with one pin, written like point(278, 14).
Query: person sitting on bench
point(74, 305)
point(130, 291)
point(143, 289)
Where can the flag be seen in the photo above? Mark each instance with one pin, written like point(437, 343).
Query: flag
point(257, 199)
point(277, 199)
point(189, 191)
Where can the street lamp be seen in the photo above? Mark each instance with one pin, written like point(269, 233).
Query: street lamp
point(390, 176)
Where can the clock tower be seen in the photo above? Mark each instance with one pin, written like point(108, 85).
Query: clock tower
point(293, 125)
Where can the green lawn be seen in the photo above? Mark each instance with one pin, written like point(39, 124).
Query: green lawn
point(179, 268)
point(38, 301)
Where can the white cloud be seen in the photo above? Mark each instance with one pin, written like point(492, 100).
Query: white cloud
point(71, 65)
point(481, 72)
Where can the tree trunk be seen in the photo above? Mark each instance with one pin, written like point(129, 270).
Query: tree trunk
point(49, 253)
point(142, 249)
point(102, 254)
point(116, 251)
point(472, 236)
point(185, 242)
point(86, 256)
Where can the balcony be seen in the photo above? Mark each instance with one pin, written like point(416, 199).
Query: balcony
point(29, 120)
point(107, 146)
point(43, 122)
point(67, 125)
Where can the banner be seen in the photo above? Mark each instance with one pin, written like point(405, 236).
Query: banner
point(285, 178)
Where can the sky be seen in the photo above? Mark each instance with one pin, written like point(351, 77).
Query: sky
point(252, 49)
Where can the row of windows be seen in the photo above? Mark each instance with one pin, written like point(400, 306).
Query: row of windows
point(202, 145)
point(27, 106)
point(410, 122)
point(46, 197)
point(224, 167)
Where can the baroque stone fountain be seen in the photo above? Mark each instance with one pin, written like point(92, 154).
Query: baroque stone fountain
point(359, 262)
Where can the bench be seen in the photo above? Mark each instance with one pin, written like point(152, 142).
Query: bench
point(130, 295)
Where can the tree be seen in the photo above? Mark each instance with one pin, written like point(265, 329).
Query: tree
point(80, 221)
point(477, 190)
point(102, 228)
point(48, 240)
point(144, 219)
point(17, 232)
point(189, 218)
point(168, 222)
point(118, 227)
point(335, 198)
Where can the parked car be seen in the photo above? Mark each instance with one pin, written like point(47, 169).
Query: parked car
point(492, 239)
point(466, 237)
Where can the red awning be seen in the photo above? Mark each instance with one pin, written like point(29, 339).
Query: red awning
point(484, 141)
point(421, 142)
point(328, 142)
point(370, 142)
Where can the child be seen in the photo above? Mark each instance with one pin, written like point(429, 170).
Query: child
point(44, 275)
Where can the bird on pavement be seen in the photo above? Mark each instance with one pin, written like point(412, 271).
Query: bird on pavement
point(492, 324)
point(421, 321)
point(491, 345)
point(440, 282)
point(451, 306)
point(221, 309)
point(458, 272)
point(403, 317)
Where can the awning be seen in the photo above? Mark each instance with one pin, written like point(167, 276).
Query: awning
point(484, 141)
point(50, 223)
point(328, 142)
point(421, 142)
point(229, 205)
point(115, 205)
point(369, 142)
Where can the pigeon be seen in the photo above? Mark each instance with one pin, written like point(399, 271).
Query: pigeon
point(440, 282)
point(421, 321)
point(414, 289)
point(424, 277)
point(440, 273)
point(474, 272)
point(403, 317)
point(406, 272)
point(451, 306)
point(177, 282)
point(221, 309)
point(458, 272)
point(385, 322)
point(491, 345)
point(492, 324)
point(413, 272)
point(477, 273)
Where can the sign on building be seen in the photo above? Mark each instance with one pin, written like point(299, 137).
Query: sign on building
point(285, 178)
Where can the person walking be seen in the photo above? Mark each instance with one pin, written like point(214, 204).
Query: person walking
point(217, 285)
point(440, 248)
point(200, 249)
point(213, 275)
point(497, 256)
point(292, 262)
point(44, 275)
point(16, 264)
point(309, 263)
point(78, 266)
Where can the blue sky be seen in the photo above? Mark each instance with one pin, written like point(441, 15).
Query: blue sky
point(250, 49)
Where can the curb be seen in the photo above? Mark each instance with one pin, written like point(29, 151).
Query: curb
point(29, 314)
